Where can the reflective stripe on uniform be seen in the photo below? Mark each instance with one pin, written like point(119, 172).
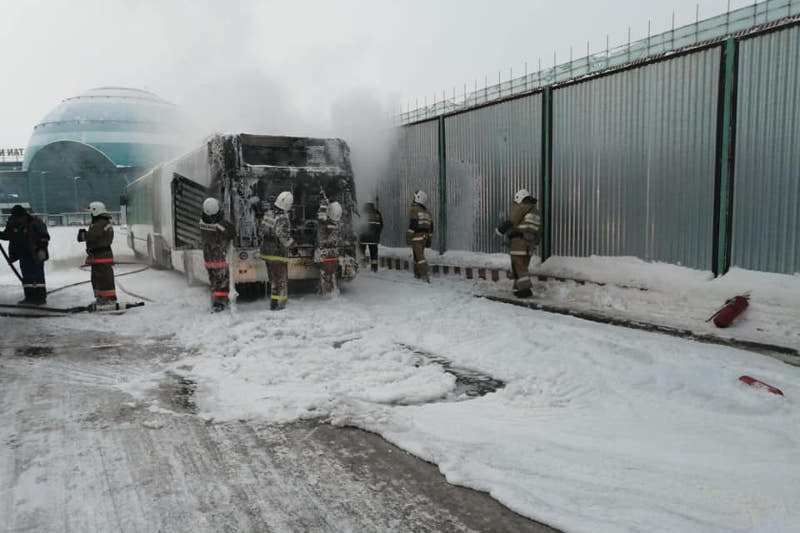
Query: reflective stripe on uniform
point(374, 261)
point(219, 293)
point(329, 259)
point(375, 222)
point(274, 258)
point(106, 294)
point(278, 297)
point(516, 252)
point(216, 264)
point(33, 285)
point(421, 261)
point(417, 238)
point(524, 278)
point(100, 261)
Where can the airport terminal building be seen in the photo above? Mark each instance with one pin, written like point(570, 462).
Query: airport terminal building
point(90, 146)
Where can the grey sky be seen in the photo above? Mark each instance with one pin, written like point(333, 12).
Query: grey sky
point(299, 67)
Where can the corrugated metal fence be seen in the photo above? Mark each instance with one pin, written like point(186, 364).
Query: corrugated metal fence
point(689, 159)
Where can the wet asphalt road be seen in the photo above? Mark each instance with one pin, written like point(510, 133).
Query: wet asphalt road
point(78, 454)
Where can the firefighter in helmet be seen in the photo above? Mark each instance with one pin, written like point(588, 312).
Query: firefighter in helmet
point(420, 228)
point(98, 239)
point(327, 252)
point(370, 234)
point(28, 239)
point(522, 229)
point(216, 234)
point(276, 243)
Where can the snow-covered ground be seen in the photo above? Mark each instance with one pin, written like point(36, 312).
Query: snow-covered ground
point(597, 429)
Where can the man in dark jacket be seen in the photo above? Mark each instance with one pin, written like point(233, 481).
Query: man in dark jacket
point(28, 239)
point(98, 239)
point(216, 234)
point(370, 234)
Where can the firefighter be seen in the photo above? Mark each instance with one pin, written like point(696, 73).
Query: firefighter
point(216, 234)
point(370, 234)
point(327, 253)
point(420, 228)
point(98, 239)
point(28, 238)
point(522, 230)
point(276, 242)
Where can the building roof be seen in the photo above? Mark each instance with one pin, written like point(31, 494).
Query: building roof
point(131, 127)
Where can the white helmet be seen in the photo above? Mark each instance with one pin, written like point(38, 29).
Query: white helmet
point(335, 211)
point(521, 195)
point(211, 206)
point(284, 201)
point(97, 208)
point(420, 197)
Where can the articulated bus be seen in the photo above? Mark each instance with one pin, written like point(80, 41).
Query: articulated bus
point(246, 173)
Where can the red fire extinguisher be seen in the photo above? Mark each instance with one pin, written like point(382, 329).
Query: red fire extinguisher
point(728, 312)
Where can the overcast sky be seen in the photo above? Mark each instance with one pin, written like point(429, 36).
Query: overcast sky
point(299, 66)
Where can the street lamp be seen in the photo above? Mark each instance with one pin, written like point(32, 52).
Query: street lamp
point(75, 191)
point(44, 189)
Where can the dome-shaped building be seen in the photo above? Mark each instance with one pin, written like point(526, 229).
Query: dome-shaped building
point(90, 146)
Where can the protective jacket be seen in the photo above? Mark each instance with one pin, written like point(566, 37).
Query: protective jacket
point(370, 231)
point(420, 225)
point(524, 223)
point(522, 229)
point(216, 234)
point(98, 250)
point(98, 240)
point(328, 234)
point(28, 238)
point(276, 235)
point(327, 255)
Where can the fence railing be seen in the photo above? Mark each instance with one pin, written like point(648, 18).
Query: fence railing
point(80, 218)
point(701, 32)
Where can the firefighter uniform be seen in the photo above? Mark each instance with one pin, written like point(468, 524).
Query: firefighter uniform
point(327, 252)
point(216, 234)
point(370, 234)
point(522, 229)
point(28, 240)
point(99, 237)
point(276, 241)
point(420, 228)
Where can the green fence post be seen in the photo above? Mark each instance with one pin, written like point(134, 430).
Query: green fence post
point(723, 179)
point(547, 173)
point(442, 188)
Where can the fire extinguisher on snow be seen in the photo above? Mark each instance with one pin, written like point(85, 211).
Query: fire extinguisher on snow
point(726, 314)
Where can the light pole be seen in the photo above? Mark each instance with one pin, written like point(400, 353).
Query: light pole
point(44, 189)
point(75, 191)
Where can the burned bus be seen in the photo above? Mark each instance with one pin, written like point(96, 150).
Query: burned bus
point(163, 207)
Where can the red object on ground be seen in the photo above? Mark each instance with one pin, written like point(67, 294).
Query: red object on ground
point(732, 308)
point(753, 382)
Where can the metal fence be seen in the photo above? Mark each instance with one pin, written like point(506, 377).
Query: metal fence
point(690, 158)
point(701, 32)
point(491, 153)
point(80, 218)
point(766, 189)
point(633, 162)
point(415, 165)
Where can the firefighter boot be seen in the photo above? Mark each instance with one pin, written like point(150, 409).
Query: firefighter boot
point(27, 300)
point(38, 296)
